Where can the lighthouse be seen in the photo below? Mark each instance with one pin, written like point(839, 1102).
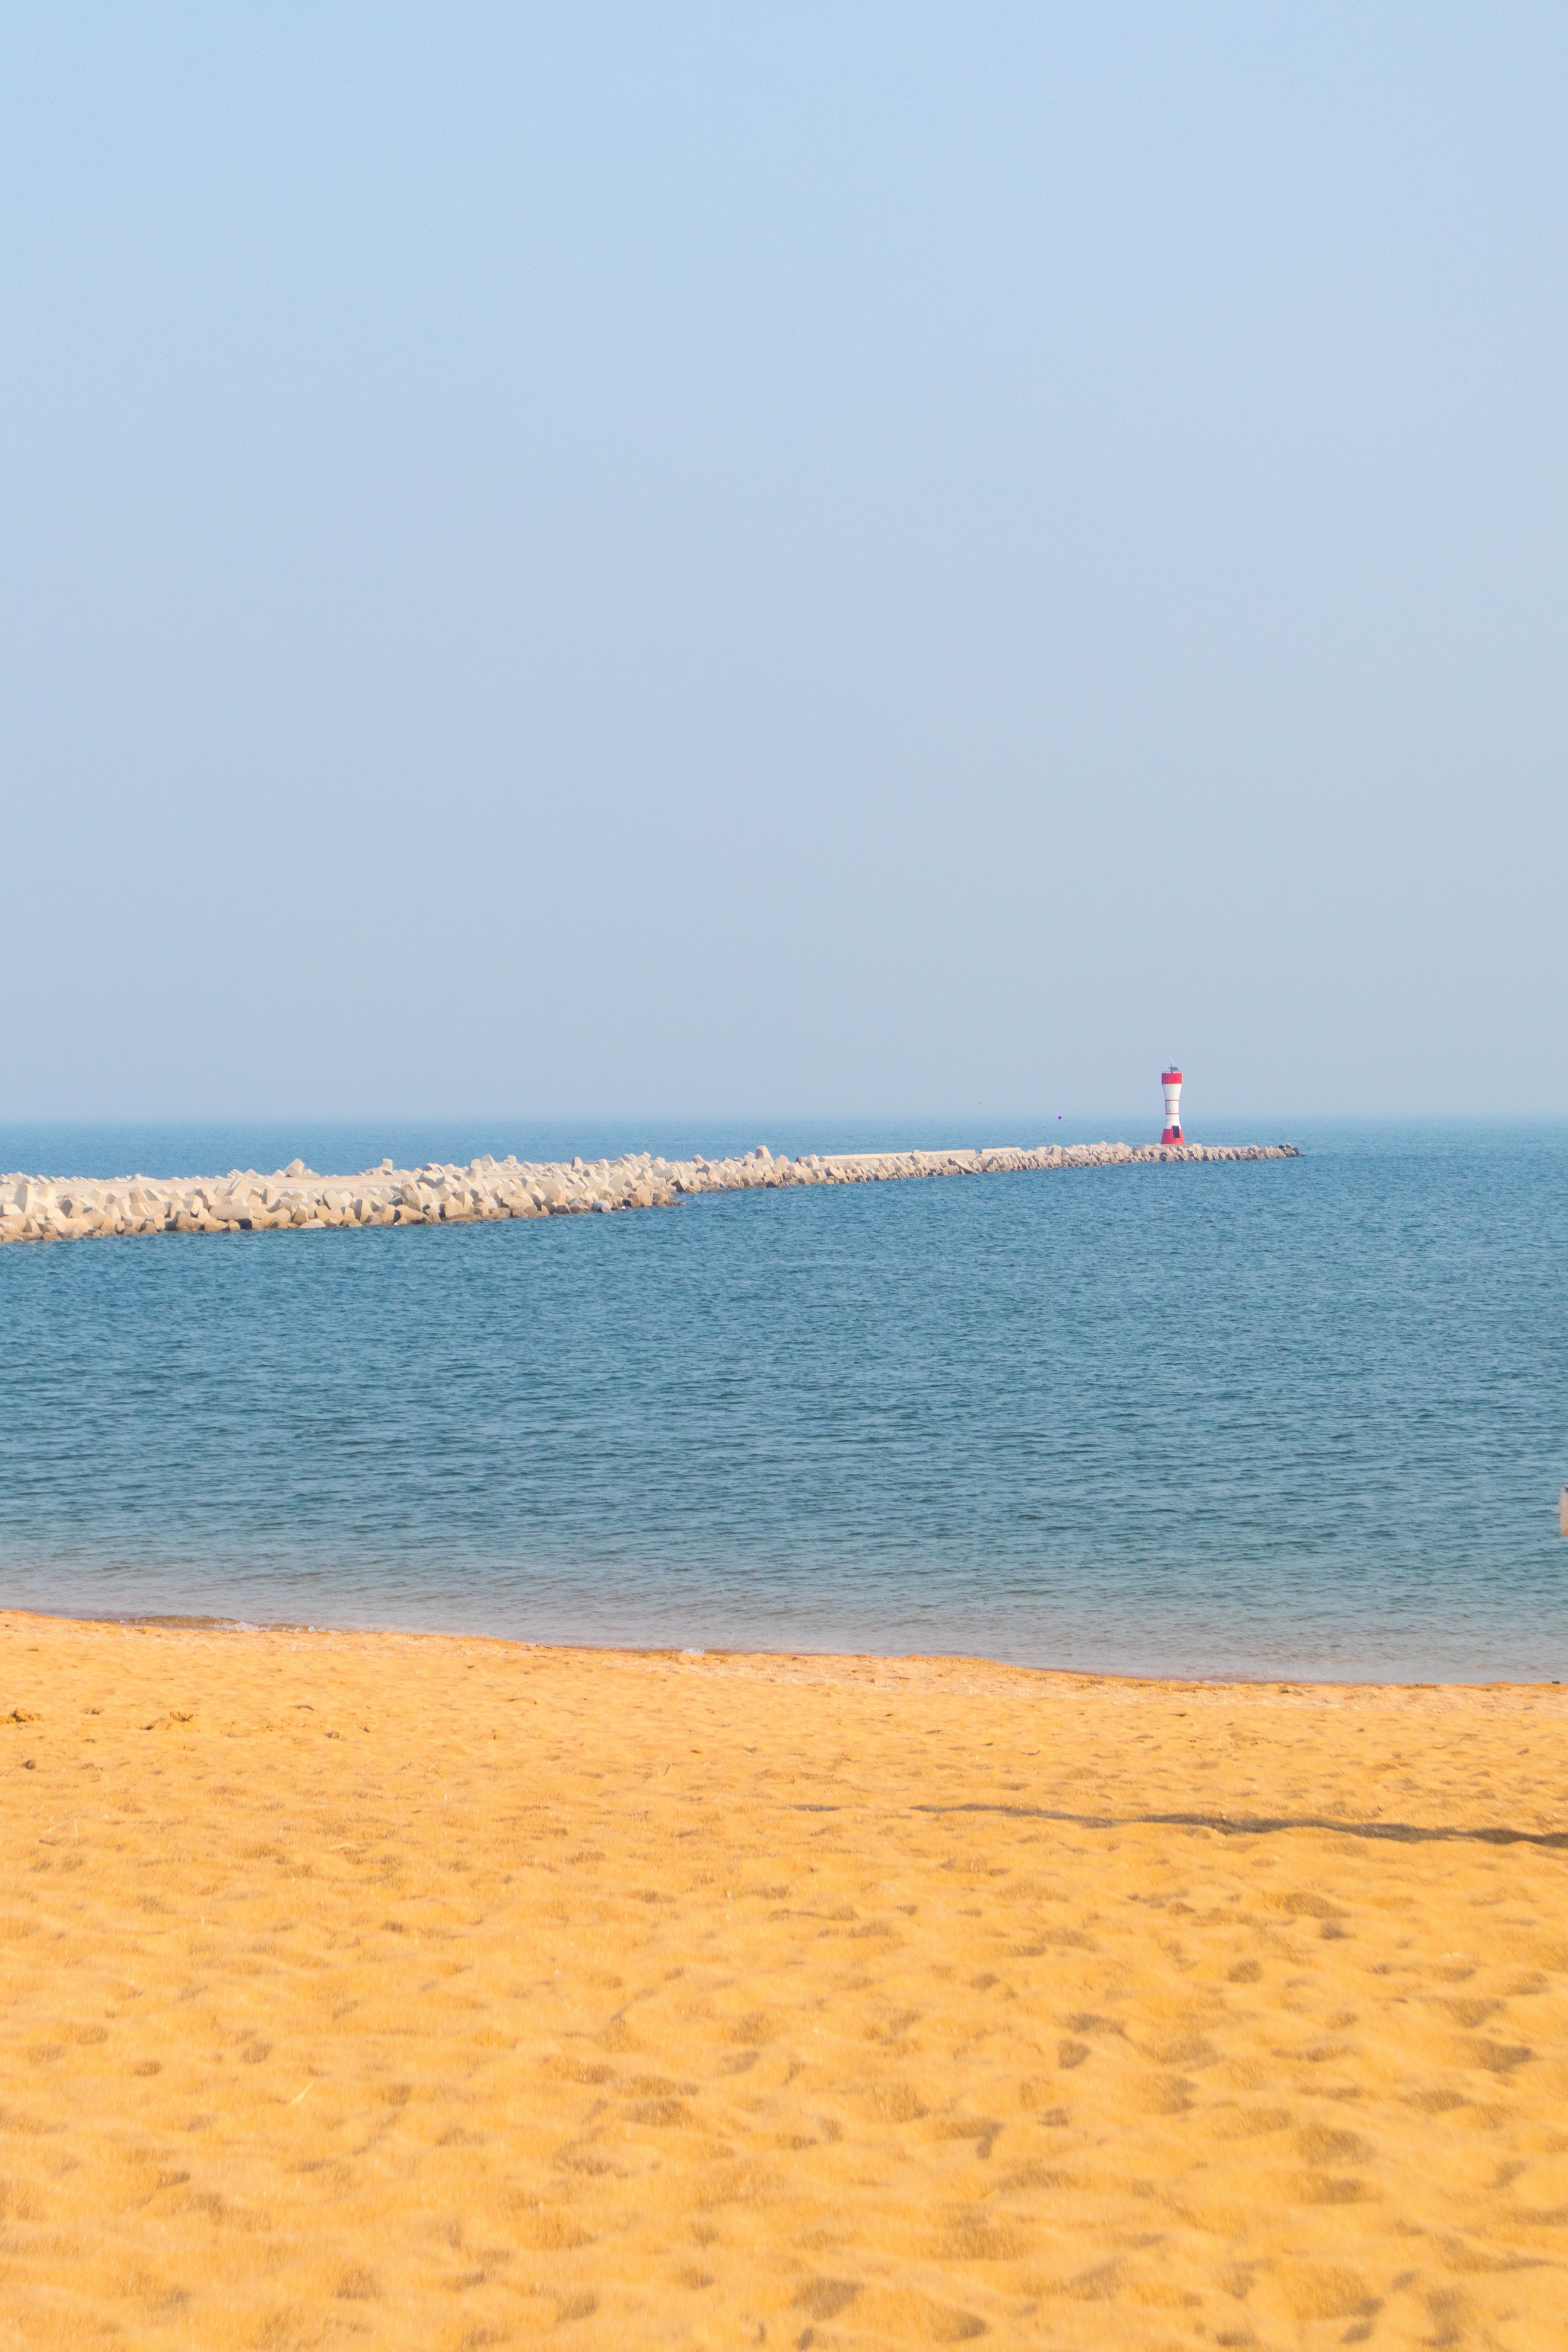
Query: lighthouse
point(1171, 1081)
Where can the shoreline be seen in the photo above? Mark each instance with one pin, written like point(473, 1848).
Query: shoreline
point(406, 1987)
point(183, 1621)
point(36, 1208)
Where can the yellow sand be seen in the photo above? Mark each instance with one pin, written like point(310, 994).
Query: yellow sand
point(372, 1989)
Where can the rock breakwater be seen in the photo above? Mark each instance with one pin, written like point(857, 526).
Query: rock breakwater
point(42, 1208)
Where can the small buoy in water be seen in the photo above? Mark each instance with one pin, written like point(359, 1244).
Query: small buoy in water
point(1562, 1510)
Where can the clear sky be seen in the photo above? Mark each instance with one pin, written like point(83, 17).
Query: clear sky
point(826, 557)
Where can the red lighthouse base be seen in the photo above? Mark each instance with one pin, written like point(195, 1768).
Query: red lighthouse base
point(1171, 1135)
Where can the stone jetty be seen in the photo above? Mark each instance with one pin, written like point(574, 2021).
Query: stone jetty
point(45, 1208)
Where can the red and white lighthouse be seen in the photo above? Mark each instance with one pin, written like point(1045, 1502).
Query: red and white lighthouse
point(1171, 1081)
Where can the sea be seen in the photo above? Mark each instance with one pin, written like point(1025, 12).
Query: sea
point(1300, 1419)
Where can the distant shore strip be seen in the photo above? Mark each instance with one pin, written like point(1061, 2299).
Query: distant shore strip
point(39, 1208)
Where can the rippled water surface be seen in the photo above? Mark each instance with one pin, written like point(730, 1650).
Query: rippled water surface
point(1308, 1417)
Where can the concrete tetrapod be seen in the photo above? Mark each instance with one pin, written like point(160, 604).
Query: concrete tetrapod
point(42, 1208)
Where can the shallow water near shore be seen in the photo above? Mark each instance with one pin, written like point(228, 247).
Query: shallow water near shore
point(1302, 1418)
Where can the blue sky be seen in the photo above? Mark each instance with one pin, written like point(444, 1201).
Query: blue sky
point(744, 560)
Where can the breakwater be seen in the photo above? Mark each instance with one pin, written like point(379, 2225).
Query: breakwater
point(41, 1208)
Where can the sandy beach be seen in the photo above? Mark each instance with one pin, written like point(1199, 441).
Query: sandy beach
point(380, 1989)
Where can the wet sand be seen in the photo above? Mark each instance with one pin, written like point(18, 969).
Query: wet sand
point(373, 1989)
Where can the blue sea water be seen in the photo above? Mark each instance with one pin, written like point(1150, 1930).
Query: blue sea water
point(1300, 1418)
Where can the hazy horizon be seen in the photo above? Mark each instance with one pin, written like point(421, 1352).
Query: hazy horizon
point(854, 555)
